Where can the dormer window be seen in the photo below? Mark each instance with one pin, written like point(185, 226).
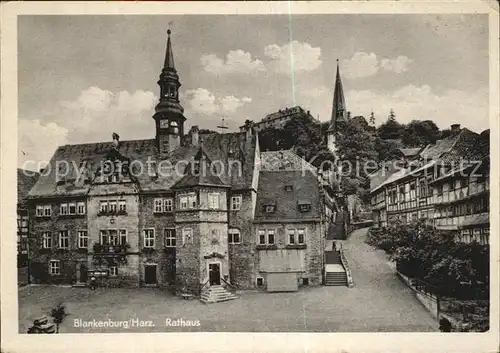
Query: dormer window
point(270, 208)
point(288, 187)
point(304, 206)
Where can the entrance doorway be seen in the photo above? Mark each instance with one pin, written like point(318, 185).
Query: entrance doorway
point(150, 274)
point(214, 273)
point(83, 273)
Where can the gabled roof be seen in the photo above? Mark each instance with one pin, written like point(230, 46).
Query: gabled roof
point(410, 152)
point(198, 173)
point(272, 191)
point(223, 148)
point(462, 145)
point(284, 160)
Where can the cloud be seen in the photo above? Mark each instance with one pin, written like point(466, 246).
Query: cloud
point(236, 62)
point(367, 64)
point(397, 65)
point(203, 101)
point(91, 117)
point(470, 109)
point(231, 103)
point(360, 65)
point(293, 57)
point(38, 142)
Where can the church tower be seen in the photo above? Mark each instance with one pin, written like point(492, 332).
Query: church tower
point(339, 113)
point(169, 114)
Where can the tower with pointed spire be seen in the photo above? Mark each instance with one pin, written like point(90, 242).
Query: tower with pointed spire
point(169, 113)
point(339, 112)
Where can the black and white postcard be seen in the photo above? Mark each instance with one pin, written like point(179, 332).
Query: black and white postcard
point(288, 176)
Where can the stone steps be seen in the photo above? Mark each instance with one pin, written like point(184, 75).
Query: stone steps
point(79, 285)
point(336, 279)
point(216, 294)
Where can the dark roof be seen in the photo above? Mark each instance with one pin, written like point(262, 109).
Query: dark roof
point(272, 191)
point(463, 146)
point(203, 176)
point(410, 152)
point(218, 147)
point(26, 179)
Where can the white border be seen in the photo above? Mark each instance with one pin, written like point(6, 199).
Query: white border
point(204, 342)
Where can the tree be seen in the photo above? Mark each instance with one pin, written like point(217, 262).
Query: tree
point(58, 314)
point(372, 119)
point(420, 133)
point(355, 148)
point(391, 129)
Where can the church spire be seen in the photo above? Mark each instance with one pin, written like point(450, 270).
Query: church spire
point(169, 55)
point(339, 112)
point(169, 113)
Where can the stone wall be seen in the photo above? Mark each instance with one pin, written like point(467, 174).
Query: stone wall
point(68, 258)
point(242, 257)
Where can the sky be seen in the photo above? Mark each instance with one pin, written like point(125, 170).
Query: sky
point(81, 78)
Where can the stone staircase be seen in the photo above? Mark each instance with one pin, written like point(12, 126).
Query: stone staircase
point(336, 279)
point(215, 294)
point(79, 285)
point(335, 274)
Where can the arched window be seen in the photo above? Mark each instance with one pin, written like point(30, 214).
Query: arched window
point(174, 127)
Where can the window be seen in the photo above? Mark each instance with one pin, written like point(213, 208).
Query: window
point(168, 205)
point(113, 271)
point(402, 193)
point(304, 207)
point(213, 201)
point(296, 236)
point(439, 190)
point(301, 236)
point(187, 201)
point(80, 208)
point(39, 211)
point(55, 267)
point(122, 234)
point(46, 240)
point(149, 238)
point(72, 208)
point(158, 205)
point(112, 206)
point(288, 187)
point(103, 207)
point(262, 237)
point(104, 237)
point(63, 209)
point(269, 208)
point(234, 236)
point(122, 206)
point(169, 237)
point(413, 194)
point(83, 239)
point(423, 188)
point(63, 239)
point(236, 202)
point(260, 281)
point(47, 211)
point(187, 235)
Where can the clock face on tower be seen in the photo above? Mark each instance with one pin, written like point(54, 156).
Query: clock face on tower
point(163, 124)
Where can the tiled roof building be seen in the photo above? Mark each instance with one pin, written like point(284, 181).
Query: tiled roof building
point(183, 209)
point(440, 186)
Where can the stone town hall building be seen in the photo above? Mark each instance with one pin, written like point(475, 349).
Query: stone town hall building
point(184, 209)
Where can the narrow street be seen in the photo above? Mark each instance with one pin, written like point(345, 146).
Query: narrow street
point(379, 291)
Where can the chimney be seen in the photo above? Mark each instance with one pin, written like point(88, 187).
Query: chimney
point(455, 127)
point(195, 135)
point(116, 140)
